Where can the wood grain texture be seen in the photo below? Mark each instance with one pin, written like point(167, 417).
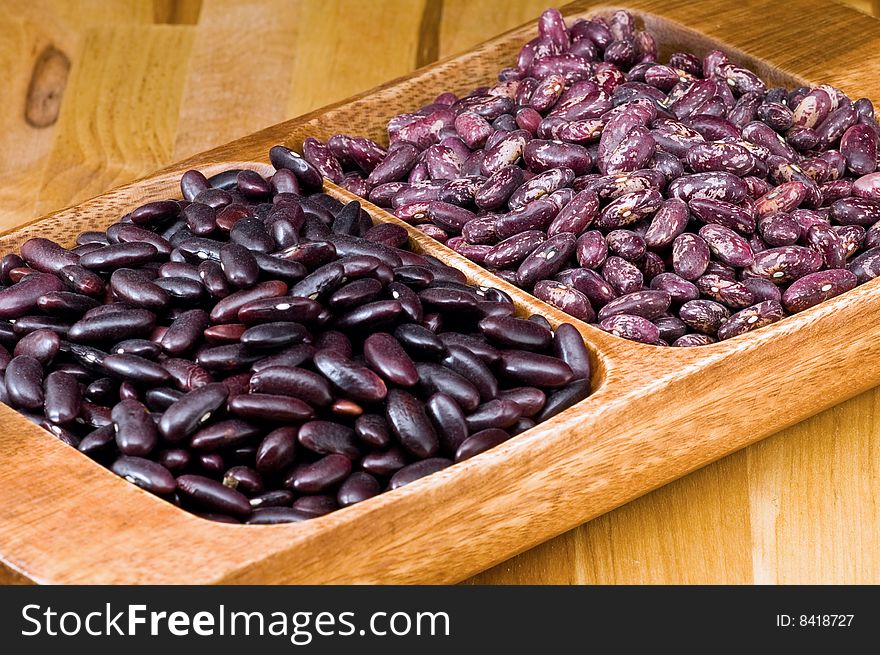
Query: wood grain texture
point(798, 507)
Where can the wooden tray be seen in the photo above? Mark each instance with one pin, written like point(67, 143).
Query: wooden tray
point(656, 414)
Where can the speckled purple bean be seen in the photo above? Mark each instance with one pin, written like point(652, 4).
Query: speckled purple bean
point(751, 318)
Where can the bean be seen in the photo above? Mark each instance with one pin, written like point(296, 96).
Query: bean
point(268, 407)
point(751, 318)
point(22, 297)
point(785, 264)
point(566, 298)
point(634, 328)
point(360, 486)
point(516, 333)
point(146, 474)
point(113, 326)
point(322, 474)
point(480, 442)
point(63, 397)
point(357, 382)
point(434, 378)
point(185, 416)
point(42, 345)
point(135, 428)
point(24, 382)
point(814, 288)
point(418, 470)
point(209, 494)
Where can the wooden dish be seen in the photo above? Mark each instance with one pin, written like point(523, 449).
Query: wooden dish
point(655, 415)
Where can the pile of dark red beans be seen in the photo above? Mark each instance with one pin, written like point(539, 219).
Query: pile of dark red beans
point(673, 204)
point(259, 352)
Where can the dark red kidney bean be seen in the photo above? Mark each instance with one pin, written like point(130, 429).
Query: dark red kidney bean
point(276, 516)
point(325, 437)
point(373, 430)
point(418, 470)
point(291, 381)
point(27, 324)
point(187, 375)
point(462, 361)
point(267, 407)
point(293, 357)
point(306, 174)
point(529, 399)
point(409, 301)
point(480, 442)
point(94, 415)
point(134, 427)
point(419, 341)
point(352, 379)
point(276, 499)
point(155, 212)
point(385, 355)
point(568, 345)
point(130, 286)
point(817, 287)
point(134, 234)
point(224, 434)
point(359, 487)
point(136, 369)
point(214, 280)
point(42, 345)
point(47, 256)
point(22, 297)
point(384, 462)
point(278, 308)
point(185, 331)
point(497, 413)
point(434, 378)
point(374, 315)
point(209, 494)
point(239, 265)
point(516, 333)
point(65, 303)
point(274, 335)
point(751, 318)
point(277, 450)
point(192, 183)
point(244, 479)
point(77, 278)
point(563, 398)
point(227, 309)
point(24, 382)
point(322, 474)
point(521, 367)
point(146, 474)
point(63, 397)
point(335, 341)
point(113, 326)
point(119, 255)
point(185, 416)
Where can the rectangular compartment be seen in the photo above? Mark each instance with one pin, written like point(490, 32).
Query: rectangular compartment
point(655, 415)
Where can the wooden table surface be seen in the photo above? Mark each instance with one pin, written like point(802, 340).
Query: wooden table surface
point(100, 92)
